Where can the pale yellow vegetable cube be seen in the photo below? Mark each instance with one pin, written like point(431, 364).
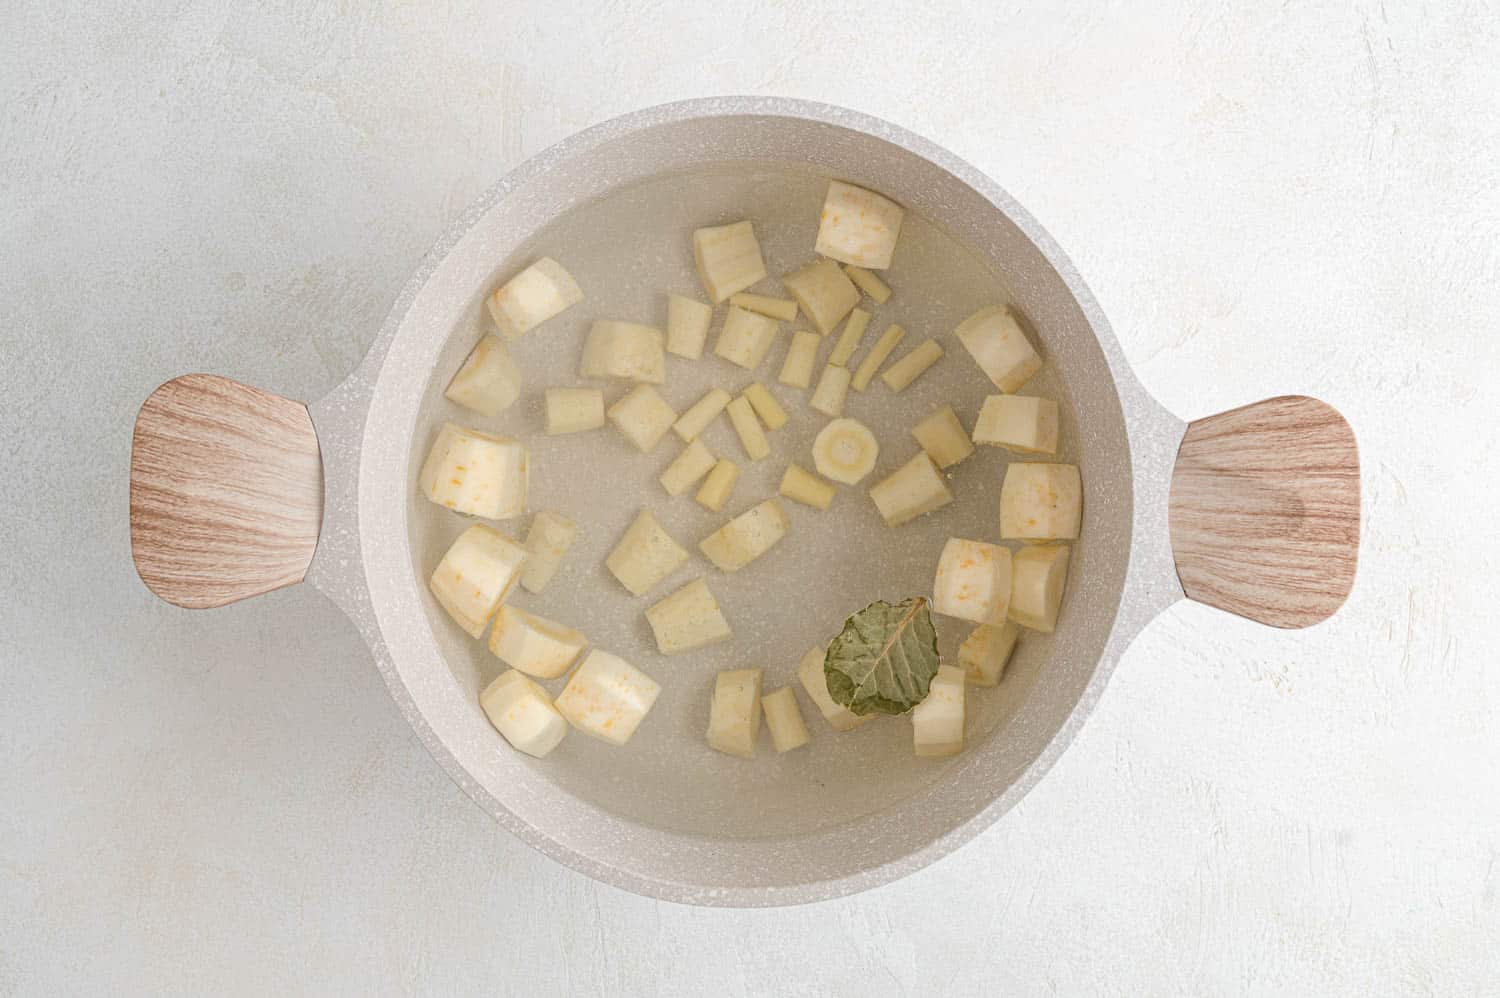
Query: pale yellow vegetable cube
point(687, 326)
point(718, 485)
point(943, 437)
point(1039, 574)
point(766, 407)
point(645, 555)
point(746, 537)
point(745, 338)
point(573, 410)
point(911, 367)
point(523, 713)
point(1019, 423)
point(869, 283)
point(972, 581)
point(700, 414)
point(643, 416)
point(1041, 502)
point(813, 679)
point(534, 645)
point(475, 575)
point(689, 618)
point(476, 473)
point(728, 259)
point(548, 540)
point(914, 489)
point(994, 338)
point(784, 719)
point(800, 485)
point(832, 392)
point(858, 226)
point(489, 381)
point(854, 331)
point(683, 473)
point(607, 697)
point(533, 296)
point(937, 723)
point(986, 651)
point(734, 714)
point(801, 358)
point(747, 428)
point(627, 351)
point(878, 354)
point(824, 291)
point(777, 308)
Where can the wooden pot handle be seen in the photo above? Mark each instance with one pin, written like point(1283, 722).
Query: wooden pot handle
point(1264, 511)
point(226, 491)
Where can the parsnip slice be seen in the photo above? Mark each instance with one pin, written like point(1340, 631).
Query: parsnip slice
point(869, 283)
point(523, 713)
point(689, 618)
point(745, 338)
point(845, 450)
point(573, 410)
point(1019, 423)
point(734, 714)
point(747, 427)
point(687, 468)
point(824, 291)
point(911, 367)
point(972, 581)
point(700, 414)
point(854, 331)
point(475, 575)
point(643, 416)
point(718, 485)
point(937, 723)
point(533, 296)
point(489, 381)
point(1041, 502)
point(746, 537)
point(915, 488)
point(627, 351)
point(986, 651)
point(784, 719)
point(548, 540)
point(810, 674)
point(995, 340)
point(687, 326)
point(607, 697)
point(645, 555)
point(832, 392)
point(878, 354)
point(777, 308)
point(765, 405)
point(1039, 574)
point(858, 226)
point(476, 473)
point(943, 437)
point(534, 645)
point(728, 259)
point(800, 485)
point(801, 358)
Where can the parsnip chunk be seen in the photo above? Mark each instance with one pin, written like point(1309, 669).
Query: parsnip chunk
point(734, 715)
point(1041, 502)
point(937, 723)
point(573, 410)
point(801, 358)
point(832, 392)
point(745, 338)
point(994, 338)
point(911, 367)
point(878, 354)
point(973, 581)
point(858, 226)
point(475, 575)
point(643, 416)
point(718, 485)
point(687, 468)
point(489, 381)
point(687, 326)
point(915, 488)
point(810, 674)
point(625, 351)
point(533, 296)
point(1018, 422)
point(824, 291)
point(854, 331)
point(728, 259)
point(523, 713)
point(700, 414)
point(548, 540)
point(747, 428)
point(800, 485)
point(1039, 574)
point(784, 719)
point(765, 405)
point(607, 697)
point(869, 283)
point(645, 555)
point(985, 652)
point(689, 618)
point(777, 308)
point(943, 437)
point(476, 473)
point(746, 537)
point(534, 645)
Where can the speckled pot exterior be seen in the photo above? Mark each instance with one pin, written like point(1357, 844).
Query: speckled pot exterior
point(365, 564)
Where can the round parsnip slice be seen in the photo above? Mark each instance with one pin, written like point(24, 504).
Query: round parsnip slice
point(845, 451)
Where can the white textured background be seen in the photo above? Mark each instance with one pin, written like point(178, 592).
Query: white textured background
point(1265, 197)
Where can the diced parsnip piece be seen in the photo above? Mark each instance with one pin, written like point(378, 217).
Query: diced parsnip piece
point(878, 354)
point(489, 380)
point(943, 437)
point(1019, 423)
point(475, 575)
point(747, 427)
point(858, 226)
point(533, 296)
point(845, 450)
point(476, 473)
point(523, 713)
point(548, 540)
point(573, 410)
point(911, 367)
point(777, 308)
point(832, 392)
point(869, 283)
point(1041, 502)
point(824, 291)
point(687, 326)
point(718, 485)
point(535, 645)
point(645, 555)
point(745, 337)
point(972, 581)
point(994, 338)
point(689, 618)
point(1039, 574)
point(854, 331)
point(766, 407)
point(937, 723)
point(915, 488)
point(813, 679)
point(643, 416)
point(784, 719)
point(746, 537)
point(800, 485)
point(801, 358)
point(734, 715)
point(700, 414)
point(627, 351)
point(683, 473)
point(607, 697)
point(728, 259)
point(985, 652)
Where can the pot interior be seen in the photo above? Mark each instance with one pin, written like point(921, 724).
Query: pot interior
point(665, 809)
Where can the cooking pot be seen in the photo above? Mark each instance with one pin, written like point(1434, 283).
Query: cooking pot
point(236, 491)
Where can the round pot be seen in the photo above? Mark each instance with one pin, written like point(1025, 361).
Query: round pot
point(236, 491)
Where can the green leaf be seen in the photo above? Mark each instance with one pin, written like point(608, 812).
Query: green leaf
point(884, 659)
